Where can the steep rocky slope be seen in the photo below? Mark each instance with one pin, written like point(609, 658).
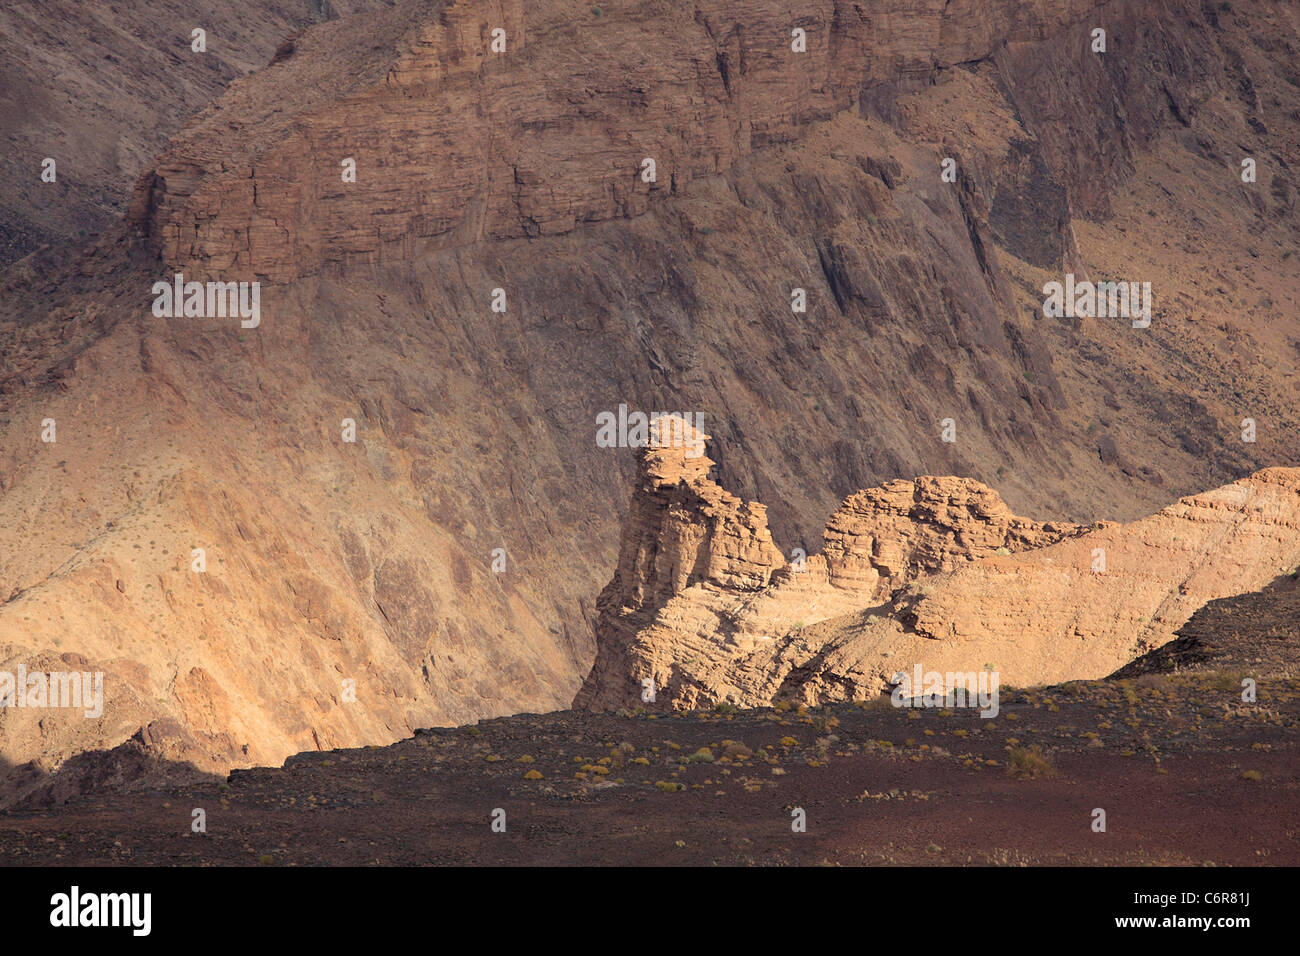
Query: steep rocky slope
point(934, 573)
point(376, 561)
point(99, 87)
point(1255, 635)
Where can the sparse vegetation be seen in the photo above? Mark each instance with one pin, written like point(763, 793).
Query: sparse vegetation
point(1028, 762)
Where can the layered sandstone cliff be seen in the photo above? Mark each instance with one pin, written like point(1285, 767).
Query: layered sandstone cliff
point(255, 185)
point(99, 88)
point(935, 573)
point(882, 538)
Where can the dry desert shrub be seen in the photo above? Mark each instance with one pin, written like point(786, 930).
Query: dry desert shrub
point(1028, 762)
point(879, 702)
point(1154, 681)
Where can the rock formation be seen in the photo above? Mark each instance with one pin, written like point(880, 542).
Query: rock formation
point(884, 537)
point(934, 572)
point(683, 529)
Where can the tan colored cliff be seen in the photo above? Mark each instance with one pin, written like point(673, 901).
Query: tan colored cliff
point(934, 572)
point(683, 529)
point(884, 537)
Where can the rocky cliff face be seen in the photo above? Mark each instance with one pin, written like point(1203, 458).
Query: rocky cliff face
point(882, 538)
point(100, 87)
point(540, 158)
point(682, 529)
point(704, 605)
point(446, 560)
point(1255, 635)
point(935, 573)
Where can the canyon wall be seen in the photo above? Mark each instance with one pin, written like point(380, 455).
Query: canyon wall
point(446, 562)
